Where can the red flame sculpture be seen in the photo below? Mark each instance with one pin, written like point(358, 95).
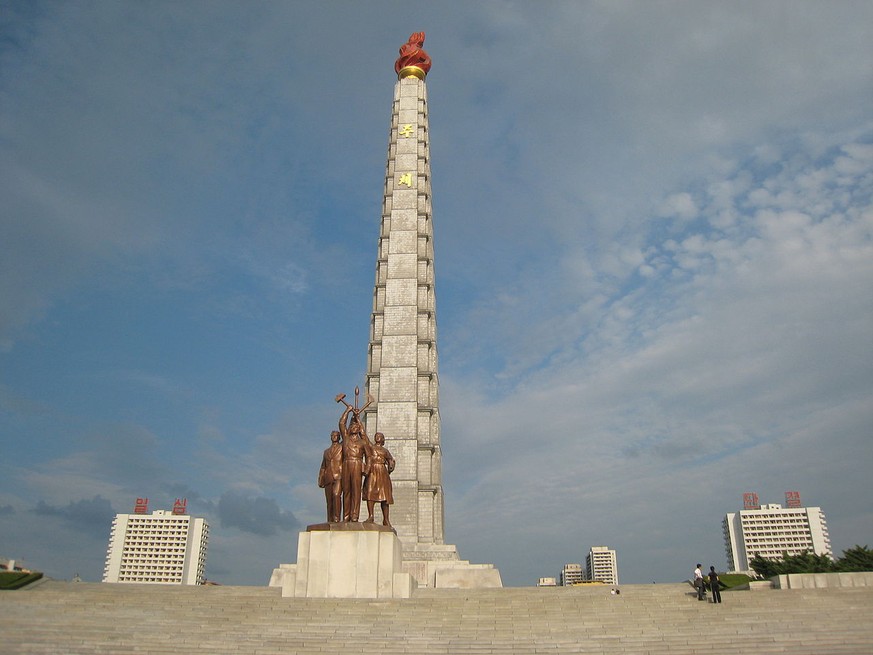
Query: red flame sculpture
point(412, 56)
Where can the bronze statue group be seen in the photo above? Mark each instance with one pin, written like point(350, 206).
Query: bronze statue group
point(353, 468)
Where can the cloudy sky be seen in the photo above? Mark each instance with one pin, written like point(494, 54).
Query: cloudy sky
point(654, 261)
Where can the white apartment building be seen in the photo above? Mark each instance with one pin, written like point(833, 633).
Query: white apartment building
point(772, 530)
point(602, 564)
point(157, 548)
point(571, 574)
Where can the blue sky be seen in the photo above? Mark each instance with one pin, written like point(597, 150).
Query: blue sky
point(654, 256)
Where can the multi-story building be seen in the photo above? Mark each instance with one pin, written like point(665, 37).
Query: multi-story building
point(772, 530)
point(602, 564)
point(547, 582)
point(158, 548)
point(571, 574)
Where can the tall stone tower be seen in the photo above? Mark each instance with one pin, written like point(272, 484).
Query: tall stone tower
point(402, 373)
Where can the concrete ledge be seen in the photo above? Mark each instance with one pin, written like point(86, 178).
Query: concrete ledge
point(280, 574)
point(404, 585)
point(822, 580)
point(753, 585)
point(453, 574)
point(468, 576)
point(760, 585)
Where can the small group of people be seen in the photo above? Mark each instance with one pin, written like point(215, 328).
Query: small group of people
point(700, 583)
point(353, 469)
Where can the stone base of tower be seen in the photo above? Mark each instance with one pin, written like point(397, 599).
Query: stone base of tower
point(345, 560)
point(439, 566)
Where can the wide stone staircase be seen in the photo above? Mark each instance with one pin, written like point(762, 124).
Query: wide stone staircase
point(68, 618)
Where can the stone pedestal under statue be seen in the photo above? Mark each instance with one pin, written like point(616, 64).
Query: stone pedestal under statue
point(345, 560)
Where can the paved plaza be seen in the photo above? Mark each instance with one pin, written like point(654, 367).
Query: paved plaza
point(70, 618)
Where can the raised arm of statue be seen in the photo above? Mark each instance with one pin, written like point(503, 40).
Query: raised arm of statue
point(363, 431)
point(368, 446)
point(343, 430)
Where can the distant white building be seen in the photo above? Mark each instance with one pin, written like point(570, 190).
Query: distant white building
point(547, 582)
point(602, 564)
point(158, 548)
point(10, 565)
point(772, 530)
point(571, 574)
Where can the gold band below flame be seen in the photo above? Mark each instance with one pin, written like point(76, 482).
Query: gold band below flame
point(411, 71)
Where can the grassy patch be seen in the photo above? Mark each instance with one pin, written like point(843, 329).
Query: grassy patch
point(16, 579)
point(730, 580)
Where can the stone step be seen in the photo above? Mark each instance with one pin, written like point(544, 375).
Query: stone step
point(105, 618)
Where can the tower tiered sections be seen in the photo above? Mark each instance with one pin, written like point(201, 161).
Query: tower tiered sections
point(349, 559)
point(402, 375)
point(402, 360)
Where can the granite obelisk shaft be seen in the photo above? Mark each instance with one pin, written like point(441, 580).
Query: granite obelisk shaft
point(402, 362)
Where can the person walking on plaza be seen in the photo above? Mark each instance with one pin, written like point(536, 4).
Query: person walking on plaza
point(714, 585)
point(699, 583)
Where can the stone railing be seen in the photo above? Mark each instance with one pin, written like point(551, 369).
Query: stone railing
point(821, 580)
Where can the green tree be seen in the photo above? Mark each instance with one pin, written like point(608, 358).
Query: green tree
point(857, 558)
point(811, 563)
point(805, 562)
point(765, 568)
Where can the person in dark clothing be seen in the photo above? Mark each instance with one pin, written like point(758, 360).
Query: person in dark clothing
point(714, 585)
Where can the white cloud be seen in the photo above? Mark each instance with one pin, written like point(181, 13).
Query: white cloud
point(681, 205)
point(756, 343)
